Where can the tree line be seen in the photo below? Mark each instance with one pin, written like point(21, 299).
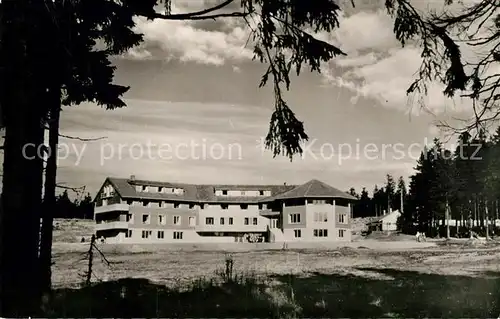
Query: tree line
point(78, 208)
point(455, 191)
point(389, 197)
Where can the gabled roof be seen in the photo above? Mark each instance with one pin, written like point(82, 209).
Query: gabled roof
point(314, 189)
point(192, 193)
point(206, 193)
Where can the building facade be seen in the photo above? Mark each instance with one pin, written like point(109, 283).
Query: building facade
point(128, 210)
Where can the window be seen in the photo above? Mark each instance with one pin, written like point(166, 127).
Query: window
point(128, 234)
point(177, 235)
point(145, 219)
point(321, 233)
point(294, 218)
point(222, 220)
point(342, 218)
point(191, 206)
point(145, 203)
point(162, 220)
point(244, 206)
point(261, 193)
point(230, 220)
point(341, 232)
point(242, 193)
point(160, 189)
point(146, 233)
point(224, 192)
point(224, 206)
point(297, 233)
point(260, 206)
point(319, 202)
point(130, 218)
point(177, 220)
point(321, 217)
point(202, 206)
point(176, 205)
point(246, 221)
point(209, 221)
point(255, 220)
point(130, 202)
point(192, 221)
point(161, 204)
point(160, 234)
point(144, 188)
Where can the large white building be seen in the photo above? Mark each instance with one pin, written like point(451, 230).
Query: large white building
point(139, 211)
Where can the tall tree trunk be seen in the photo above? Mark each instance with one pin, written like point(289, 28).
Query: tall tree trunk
point(402, 202)
point(486, 219)
point(447, 213)
point(475, 213)
point(482, 212)
point(21, 99)
point(49, 200)
point(496, 213)
point(470, 220)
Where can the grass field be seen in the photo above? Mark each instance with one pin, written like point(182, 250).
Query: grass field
point(378, 277)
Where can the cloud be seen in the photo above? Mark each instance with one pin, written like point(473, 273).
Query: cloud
point(379, 69)
point(206, 42)
point(376, 68)
point(236, 69)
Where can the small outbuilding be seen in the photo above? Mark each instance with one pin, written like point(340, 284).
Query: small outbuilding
point(387, 222)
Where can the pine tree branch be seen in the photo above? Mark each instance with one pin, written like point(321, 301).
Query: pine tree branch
point(207, 17)
point(199, 15)
point(82, 139)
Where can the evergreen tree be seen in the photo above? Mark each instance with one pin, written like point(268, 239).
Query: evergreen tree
point(390, 187)
point(364, 204)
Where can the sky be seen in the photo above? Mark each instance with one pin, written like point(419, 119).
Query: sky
point(195, 113)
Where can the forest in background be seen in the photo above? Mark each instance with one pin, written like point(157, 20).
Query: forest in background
point(461, 184)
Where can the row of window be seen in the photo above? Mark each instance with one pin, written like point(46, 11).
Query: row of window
point(318, 233)
point(159, 189)
point(191, 206)
point(176, 220)
point(160, 234)
point(243, 193)
point(162, 219)
point(319, 217)
point(146, 203)
point(222, 221)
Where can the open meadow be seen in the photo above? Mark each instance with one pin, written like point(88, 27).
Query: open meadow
point(392, 276)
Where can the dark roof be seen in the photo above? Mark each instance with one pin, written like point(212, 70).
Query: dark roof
point(314, 189)
point(206, 193)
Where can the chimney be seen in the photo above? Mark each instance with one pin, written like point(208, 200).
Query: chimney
point(132, 177)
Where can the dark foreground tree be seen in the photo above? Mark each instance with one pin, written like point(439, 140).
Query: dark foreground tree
point(48, 49)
